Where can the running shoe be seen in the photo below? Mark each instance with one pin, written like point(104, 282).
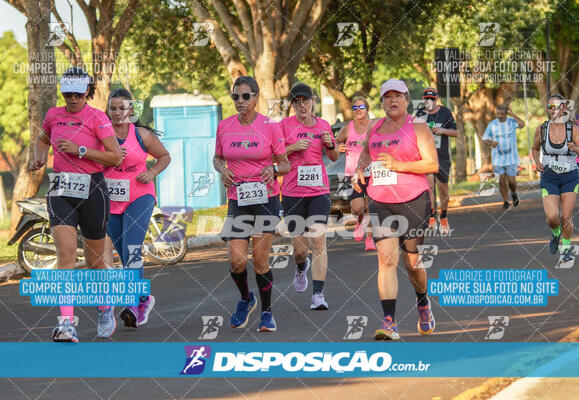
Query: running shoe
point(267, 323)
point(360, 229)
point(567, 255)
point(506, 205)
point(515, 198)
point(106, 322)
point(244, 308)
point(426, 322)
point(370, 243)
point(319, 302)
point(301, 278)
point(65, 332)
point(145, 308)
point(554, 243)
point(444, 227)
point(389, 330)
point(432, 223)
point(130, 316)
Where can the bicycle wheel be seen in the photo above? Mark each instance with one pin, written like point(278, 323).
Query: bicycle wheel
point(37, 250)
point(165, 242)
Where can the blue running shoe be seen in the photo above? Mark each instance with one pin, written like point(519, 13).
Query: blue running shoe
point(554, 243)
point(426, 322)
point(65, 332)
point(267, 323)
point(106, 322)
point(389, 330)
point(244, 308)
point(567, 255)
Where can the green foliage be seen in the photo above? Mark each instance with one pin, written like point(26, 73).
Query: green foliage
point(13, 96)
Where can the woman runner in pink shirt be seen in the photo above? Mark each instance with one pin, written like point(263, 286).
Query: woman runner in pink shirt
point(400, 153)
point(82, 140)
point(306, 191)
point(246, 147)
point(352, 138)
point(132, 193)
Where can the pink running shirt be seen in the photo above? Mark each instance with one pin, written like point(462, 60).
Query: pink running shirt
point(294, 130)
point(354, 147)
point(85, 128)
point(248, 149)
point(403, 147)
point(134, 164)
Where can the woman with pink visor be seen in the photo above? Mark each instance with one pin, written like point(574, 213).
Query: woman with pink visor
point(400, 151)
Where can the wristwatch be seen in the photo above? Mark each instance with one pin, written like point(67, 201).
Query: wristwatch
point(81, 151)
point(331, 148)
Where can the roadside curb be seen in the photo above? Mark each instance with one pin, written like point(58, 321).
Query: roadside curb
point(509, 388)
point(524, 189)
point(197, 242)
point(9, 271)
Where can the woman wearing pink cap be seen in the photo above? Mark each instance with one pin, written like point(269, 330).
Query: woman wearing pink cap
point(82, 140)
point(306, 191)
point(400, 153)
point(352, 138)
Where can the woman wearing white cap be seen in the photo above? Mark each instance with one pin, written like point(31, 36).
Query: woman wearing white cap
point(83, 141)
point(400, 153)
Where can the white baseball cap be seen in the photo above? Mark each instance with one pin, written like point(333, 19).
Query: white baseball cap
point(393, 84)
point(74, 84)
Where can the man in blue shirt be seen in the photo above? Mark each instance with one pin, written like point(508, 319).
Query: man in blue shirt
point(501, 135)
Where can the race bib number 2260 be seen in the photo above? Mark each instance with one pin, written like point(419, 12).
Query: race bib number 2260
point(382, 176)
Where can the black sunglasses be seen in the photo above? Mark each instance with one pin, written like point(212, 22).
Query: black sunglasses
point(68, 95)
point(245, 96)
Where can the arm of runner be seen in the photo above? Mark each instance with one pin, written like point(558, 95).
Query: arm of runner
point(487, 137)
point(283, 167)
point(363, 162)
point(226, 174)
point(536, 149)
point(445, 131)
point(157, 150)
point(429, 162)
point(300, 145)
point(341, 138)
point(112, 155)
point(449, 128)
point(330, 146)
point(40, 152)
point(574, 145)
point(520, 122)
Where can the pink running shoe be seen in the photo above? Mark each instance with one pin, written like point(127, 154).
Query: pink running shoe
point(370, 243)
point(359, 231)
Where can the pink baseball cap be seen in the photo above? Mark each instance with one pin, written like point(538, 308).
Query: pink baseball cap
point(393, 84)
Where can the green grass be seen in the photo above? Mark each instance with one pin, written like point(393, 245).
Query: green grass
point(218, 212)
point(7, 253)
point(464, 188)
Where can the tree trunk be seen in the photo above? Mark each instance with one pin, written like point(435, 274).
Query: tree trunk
point(344, 103)
point(41, 96)
point(461, 150)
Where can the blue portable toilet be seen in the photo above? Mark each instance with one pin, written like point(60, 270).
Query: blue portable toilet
point(189, 123)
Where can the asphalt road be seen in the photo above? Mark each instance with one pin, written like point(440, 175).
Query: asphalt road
point(483, 238)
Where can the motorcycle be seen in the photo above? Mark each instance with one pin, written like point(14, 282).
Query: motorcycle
point(165, 241)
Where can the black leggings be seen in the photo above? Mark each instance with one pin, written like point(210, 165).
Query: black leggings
point(415, 212)
point(91, 214)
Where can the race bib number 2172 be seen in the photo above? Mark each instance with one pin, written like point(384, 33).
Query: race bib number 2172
point(69, 184)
